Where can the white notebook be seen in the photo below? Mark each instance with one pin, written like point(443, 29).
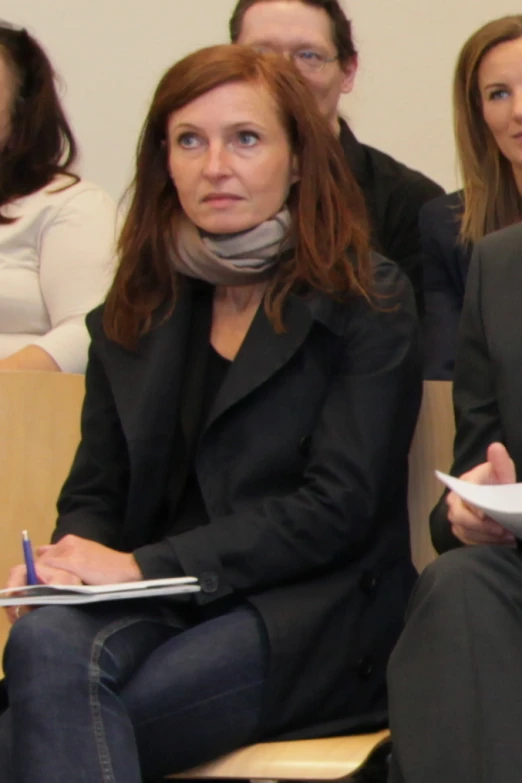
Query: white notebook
point(38, 595)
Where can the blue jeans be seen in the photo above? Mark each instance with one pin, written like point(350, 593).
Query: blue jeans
point(122, 695)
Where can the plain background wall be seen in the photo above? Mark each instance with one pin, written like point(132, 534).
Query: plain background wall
point(111, 54)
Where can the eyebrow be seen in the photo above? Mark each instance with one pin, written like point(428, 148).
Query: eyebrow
point(494, 84)
point(233, 126)
point(303, 44)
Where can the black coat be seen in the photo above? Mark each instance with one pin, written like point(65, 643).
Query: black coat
point(488, 372)
point(445, 263)
point(302, 464)
point(394, 194)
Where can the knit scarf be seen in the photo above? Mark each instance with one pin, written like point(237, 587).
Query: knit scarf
point(237, 259)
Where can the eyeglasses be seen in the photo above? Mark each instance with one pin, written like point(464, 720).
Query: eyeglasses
point(307, 60)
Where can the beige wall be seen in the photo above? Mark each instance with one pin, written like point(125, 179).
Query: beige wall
point(111, 53)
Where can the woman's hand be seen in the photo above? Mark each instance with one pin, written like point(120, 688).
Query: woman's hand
point(471, 525)
point(47, 576)
point(92, 563)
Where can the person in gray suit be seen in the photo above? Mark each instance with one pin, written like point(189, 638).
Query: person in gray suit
point(455, 680)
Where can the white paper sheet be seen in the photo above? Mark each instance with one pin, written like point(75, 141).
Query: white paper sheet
point(502, 502)
point(39, 595)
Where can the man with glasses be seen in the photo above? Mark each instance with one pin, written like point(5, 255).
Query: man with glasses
point(317, 35)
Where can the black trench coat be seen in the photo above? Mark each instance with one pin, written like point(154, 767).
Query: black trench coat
point(302, 465)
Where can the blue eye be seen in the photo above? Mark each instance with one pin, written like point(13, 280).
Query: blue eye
point(248, 138)
point(497, 95)
point(309, 56)
point(188, 140)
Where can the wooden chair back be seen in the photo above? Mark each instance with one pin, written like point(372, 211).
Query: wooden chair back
point(432, 448)
point(39, 433)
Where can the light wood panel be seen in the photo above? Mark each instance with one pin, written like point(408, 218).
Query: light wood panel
point(39, 433)
point(318, 759)
point(432, 448)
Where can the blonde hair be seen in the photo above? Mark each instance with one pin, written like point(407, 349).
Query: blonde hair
point(491, 197)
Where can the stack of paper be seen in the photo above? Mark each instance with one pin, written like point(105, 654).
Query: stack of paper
point(36, 595)
point(501, 502)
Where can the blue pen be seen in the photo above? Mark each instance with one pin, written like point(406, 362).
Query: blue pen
point(32, 579)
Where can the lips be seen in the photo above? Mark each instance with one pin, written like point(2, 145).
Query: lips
point(220, 197)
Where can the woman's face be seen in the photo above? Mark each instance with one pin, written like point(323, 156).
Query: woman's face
point(230, 158)
point(500, 85)
point(6, 101)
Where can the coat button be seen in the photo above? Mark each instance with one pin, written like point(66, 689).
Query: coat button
point(209, 582)
point(368, 582)
point(365, 667)
point(304, 445)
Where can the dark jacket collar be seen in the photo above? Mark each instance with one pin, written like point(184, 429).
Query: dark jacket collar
point(353, 152)
point(145, 383)
point(264, 351)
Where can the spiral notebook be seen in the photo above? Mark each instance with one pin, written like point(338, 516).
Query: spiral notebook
point(40, 595)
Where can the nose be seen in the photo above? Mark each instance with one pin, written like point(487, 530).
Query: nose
point(517, 105)
point(217, 161)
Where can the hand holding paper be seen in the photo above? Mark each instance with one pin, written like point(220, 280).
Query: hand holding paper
point(473, 507)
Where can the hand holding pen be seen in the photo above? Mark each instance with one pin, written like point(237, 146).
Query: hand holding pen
point(25, 574)
point(32, 578)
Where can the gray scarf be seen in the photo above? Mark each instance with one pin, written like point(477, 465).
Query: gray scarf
point(240, 259)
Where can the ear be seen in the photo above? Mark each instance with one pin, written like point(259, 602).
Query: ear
point(349, 70)
point(294, 170)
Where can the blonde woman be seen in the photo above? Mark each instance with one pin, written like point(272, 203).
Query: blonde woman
point(488, 129)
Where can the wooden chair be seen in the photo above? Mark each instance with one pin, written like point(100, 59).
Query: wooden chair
point(39, 433)
point(432, 448)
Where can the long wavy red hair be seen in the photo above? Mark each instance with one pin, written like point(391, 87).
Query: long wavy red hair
point(329, 218)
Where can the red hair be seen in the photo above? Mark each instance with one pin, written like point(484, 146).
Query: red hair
point(329, 218)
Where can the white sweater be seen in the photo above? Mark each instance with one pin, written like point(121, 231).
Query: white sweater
point(56, 264)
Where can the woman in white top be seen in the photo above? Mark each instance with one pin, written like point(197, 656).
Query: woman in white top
point(56, 231)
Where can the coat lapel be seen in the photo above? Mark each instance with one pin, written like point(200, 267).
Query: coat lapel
point(146, 385)
point(264, 351)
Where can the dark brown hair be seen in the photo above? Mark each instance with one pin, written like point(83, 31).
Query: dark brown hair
point(341, 25)
point(327, 208)
point(40, 143)
point(491, 198)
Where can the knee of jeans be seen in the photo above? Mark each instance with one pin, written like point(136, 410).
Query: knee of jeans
point(45, 632)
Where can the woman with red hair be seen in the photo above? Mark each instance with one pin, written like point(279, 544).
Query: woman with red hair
point(251, 392)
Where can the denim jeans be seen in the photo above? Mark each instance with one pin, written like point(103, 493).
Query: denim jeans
point(122, 695)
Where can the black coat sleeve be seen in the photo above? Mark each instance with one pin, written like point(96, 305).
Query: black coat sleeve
point(401, 235)
point(359, 445)
point(442, 300)
point(478, 421)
